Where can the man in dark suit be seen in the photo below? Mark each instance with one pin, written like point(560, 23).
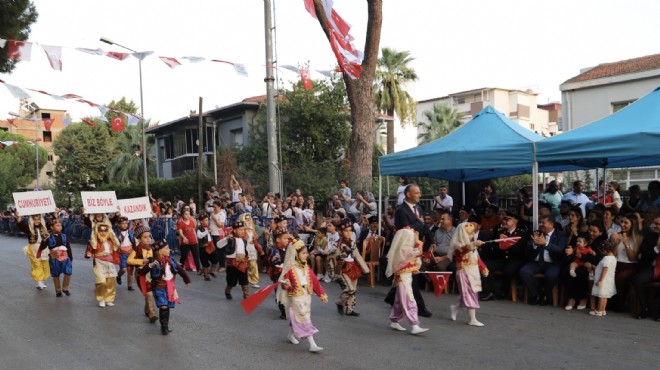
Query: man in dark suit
point(410, 214)
point(544, 254)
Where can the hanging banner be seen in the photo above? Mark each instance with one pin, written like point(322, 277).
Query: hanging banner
point(135, 208)
point(99, 201)
point(34, 202)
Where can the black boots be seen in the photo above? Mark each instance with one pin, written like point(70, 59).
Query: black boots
point(282, 312)
point(164, 321)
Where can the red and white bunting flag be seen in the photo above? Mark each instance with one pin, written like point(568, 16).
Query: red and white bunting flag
point(171, 62)
point(88, 122)
point(309, 6)
point(12, 121)
point(142, 54)
point(307, 81)
point(117, 55)
point(9, 143)
point(30, 142)
point(17, 91)
point(240, 69)
point(353, 70)
point(19, 50)
point(54, 54)
point(132, 119)
point(103, 109)
point(88, 102)
point(48, 123)
point(117, 124)
point(193, 59)
point(71, 96)
point(98, 51)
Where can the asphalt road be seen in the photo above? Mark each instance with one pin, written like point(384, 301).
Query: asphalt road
point(38, 330)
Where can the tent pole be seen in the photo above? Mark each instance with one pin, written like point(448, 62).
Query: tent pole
point(535, 194)
point(463, 192)
point(597, 182)
point(380, 200)
point(604, 183)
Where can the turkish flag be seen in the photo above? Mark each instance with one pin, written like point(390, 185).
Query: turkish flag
point(440, 280)
point(307, 81)
point(507, 243)
point(117, 55)
point(19, 50)
point(89, 122)
point(48, 123)
point(253, 301)
point(117, 124)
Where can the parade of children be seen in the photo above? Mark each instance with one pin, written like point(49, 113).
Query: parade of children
point(266, 252)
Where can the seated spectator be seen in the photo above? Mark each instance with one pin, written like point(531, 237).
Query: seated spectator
point(627, 245)
point(544, 254)
point(649, 269)
point(634, 200)
point(609, 214)
point(437, 259)
point(552, 196)
point(576, 228)
point(486, 198)
point(463, 215)
point(577, 287)
point(564, 208)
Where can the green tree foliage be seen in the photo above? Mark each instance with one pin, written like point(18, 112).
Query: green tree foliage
point(314, 131)
point(126, 165)
point(16, 17)
point(507, 187)
point(440, 121)
point(393, 73)
point(84, 154)
point(17, 165)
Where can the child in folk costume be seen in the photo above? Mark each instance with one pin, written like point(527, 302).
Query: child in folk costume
point(60, 257)
point(139, 257)
point(208, 255)
point(162, 271)
point(254, 250)
point(298, 283)
point(36, 231)
point(351, 266)
point(101, 248)
point(126, 244)
point(276, 261)
point(463, 250)
point(237, 259)
point(403, 260)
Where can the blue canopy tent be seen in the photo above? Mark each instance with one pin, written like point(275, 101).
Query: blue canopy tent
point(489, 145)
point(627, 138)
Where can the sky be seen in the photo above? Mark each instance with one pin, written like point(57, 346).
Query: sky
point(457, 46)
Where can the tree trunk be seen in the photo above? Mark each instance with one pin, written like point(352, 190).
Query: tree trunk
point(390, 132)
point(360, 98)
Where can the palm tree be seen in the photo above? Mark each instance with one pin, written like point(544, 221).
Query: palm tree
point(390, 96)
point(126, 163)
point(441, 121)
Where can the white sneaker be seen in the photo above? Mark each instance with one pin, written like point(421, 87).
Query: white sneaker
point(320, 276)
point(475, 323)
point(101, 304)
point(256, 286)
point(109, 304)
point(41, 285)
point(292, 338)
point(327, 280)
point(572, 273)
point(453, 310)
point(315, 349)
point(417, 330)
point(397, 326)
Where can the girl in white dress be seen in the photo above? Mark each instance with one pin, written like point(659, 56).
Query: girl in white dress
point(604, 287)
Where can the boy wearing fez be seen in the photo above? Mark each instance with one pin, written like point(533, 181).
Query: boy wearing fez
point(138, 258)
point(237, 259)
point(163, 269)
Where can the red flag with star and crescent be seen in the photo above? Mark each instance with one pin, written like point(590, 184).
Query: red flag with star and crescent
point(440, 280)
point(117, 124)
point(255, 299)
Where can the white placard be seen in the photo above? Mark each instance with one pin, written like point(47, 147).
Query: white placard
point(99, 201)
point(135, 208)
point(34, 202)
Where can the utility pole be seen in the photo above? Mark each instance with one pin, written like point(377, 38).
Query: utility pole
point(273, 162)
point(200, 162)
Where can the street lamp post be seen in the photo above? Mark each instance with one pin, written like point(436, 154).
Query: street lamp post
point(144, 137)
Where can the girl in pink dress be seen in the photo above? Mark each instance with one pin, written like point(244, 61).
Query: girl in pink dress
point(463, 250)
